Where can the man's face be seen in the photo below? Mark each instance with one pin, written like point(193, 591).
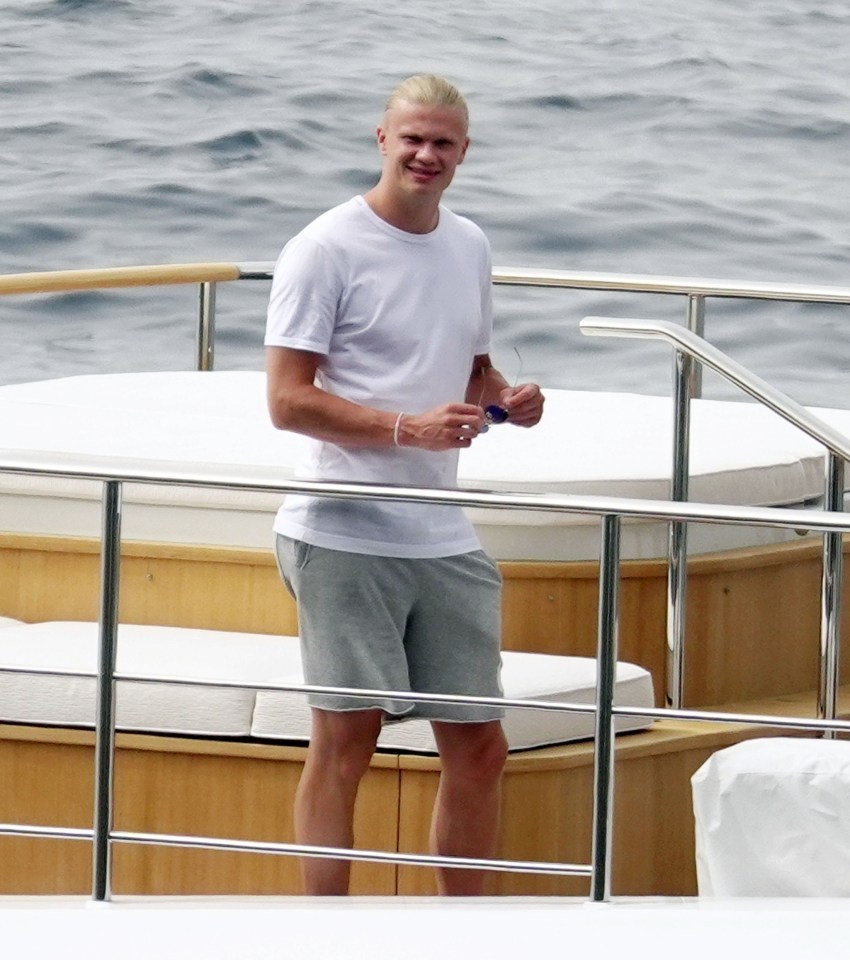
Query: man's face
point(421, 146)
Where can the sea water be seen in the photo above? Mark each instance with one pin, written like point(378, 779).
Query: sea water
point(709, 138)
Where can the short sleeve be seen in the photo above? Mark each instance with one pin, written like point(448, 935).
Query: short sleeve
point(304, 297)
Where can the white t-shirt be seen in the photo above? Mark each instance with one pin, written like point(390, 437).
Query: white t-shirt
point(398, 318)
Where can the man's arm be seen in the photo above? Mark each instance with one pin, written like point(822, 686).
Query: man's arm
point(297, 404)
point(523, 402)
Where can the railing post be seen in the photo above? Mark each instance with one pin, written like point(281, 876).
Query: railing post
point(606, 667)
point(205, 341)
point(677, 564)
point(104, 746)
point(695, 320)
point(830, 632)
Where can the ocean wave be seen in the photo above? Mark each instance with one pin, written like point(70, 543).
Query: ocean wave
point(688, 139)
point(204, 81)
point(792, 127)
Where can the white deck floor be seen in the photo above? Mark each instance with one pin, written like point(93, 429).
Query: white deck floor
point(247, 928)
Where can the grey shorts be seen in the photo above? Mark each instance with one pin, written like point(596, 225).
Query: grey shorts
point(390, 623)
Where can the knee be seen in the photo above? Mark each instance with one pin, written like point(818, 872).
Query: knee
point(480, 757)
point(344, 750)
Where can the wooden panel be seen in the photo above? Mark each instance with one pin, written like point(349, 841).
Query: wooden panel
point(752, 616)
point(58, 578)
point(174, 791)
point(46, 784)
point(223, 595)
point(48, 578)
point(753, 632)
point(226, 789)
point(553, 608)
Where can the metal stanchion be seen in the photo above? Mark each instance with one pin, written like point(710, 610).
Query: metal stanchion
point(104, 746)
point(606, 666)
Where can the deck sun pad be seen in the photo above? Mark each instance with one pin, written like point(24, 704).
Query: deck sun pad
point(28, 698)
point(588, 443)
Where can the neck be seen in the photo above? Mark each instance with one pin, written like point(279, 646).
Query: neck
point(404, 213)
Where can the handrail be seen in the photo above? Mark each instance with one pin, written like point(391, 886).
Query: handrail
point(133, 276)
point(59, 281)
point(679, 286)
point(696, 289)
point(729, 369)
point(256, 480)
point(690, 347)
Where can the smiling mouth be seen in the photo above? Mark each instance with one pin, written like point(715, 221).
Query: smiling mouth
point(421, 173)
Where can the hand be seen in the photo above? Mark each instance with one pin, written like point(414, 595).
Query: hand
point(524, 404)
point(449, 427)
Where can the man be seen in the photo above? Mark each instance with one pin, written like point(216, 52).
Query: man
point(378, 348)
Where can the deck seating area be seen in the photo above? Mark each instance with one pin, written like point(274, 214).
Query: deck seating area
point(199, 559)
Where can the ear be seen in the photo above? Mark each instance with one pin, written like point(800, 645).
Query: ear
point(381, 135)
point(464, 148)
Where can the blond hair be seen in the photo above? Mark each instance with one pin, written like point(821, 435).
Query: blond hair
point(431, 90)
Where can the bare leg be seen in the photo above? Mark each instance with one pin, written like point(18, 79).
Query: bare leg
point(466, 813)
point(341, 746)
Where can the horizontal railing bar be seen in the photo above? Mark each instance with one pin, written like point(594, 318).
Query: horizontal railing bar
point(341, 853)
point(356, 692)
point(719, 716)
point(59, 281)
point(635, 283)
point(133, 276)
point(695, 286)
point(682, 339)
point(56, 465)
point(294, 849)
point(551, 706)
point(48, 833)
point(263, 270)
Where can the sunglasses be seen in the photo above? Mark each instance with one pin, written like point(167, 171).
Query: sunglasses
point(493, 413)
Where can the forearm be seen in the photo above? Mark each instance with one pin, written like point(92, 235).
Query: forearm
point(485, 384)
point(310, 410)
point(306, 408)
point(297, 404)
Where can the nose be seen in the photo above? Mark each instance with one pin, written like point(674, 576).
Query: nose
point(426, 152)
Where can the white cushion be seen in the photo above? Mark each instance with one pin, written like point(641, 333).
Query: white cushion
point(587, 443)
point(525, 676)
point(773, 819)
point(253, 658)
point(162, 651)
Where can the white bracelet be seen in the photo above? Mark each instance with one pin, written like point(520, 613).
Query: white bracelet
point(395, 429)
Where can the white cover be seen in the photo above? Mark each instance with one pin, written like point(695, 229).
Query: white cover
point(255, 658)
point(773, 819)
point(588, 443)
point(527, 676)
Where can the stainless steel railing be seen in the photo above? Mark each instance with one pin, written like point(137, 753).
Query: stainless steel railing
point(690, 347)
point(696, 290)
point(611, 510)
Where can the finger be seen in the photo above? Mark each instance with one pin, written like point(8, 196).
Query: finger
point(470, 422)
point(517, 396)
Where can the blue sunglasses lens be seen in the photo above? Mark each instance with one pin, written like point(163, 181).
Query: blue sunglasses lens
point(495, 414)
